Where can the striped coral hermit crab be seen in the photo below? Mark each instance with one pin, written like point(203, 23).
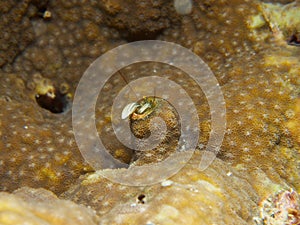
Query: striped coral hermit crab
point(140, 109)
point(140, 114)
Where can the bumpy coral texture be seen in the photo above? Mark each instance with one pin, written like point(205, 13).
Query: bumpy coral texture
point(16, 30)
point(188, 197)
point(259, 79)
point(35, 151)
point(144, 21)
point(32, 207)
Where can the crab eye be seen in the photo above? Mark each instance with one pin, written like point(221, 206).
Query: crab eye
point(129, 109)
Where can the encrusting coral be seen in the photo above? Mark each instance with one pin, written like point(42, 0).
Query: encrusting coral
point(35, 151)
point(188, 196)
point(16, 30)
point(31, 206)
point(259, 77)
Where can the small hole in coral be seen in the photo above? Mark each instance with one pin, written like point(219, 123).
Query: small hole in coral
point(294, 40)
point(55, 102)
point(141, 199)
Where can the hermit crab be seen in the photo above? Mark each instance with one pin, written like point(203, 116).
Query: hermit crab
point(140, 109)
point(141, 115)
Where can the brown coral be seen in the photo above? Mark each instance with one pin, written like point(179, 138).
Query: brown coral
point(34, 153)
point(31, 206)
point(259, 79)
point(189, 196)
point(16, 30)
point(139, 20)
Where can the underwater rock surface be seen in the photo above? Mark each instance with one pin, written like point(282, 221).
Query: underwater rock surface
point(39, 206)
point(189, 196)
point(258, 72)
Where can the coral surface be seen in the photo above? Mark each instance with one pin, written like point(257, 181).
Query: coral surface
point(16, 30)
point(46, 46)
point(35, 151)
point(284, 20)
point(39, 206)
point(188, 197)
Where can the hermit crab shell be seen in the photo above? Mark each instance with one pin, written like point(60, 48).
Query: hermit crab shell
point(129, 109)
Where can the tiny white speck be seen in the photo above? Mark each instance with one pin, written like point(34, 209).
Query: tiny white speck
point(194, 190)
point(257, 143)
point(106, 203)
point(247, 133)
point(150, 223)
point(201, 146)
point(245, 149)
point(277, 120)
point(66, 152)
point(21, 173)
point(50, 149)
point(31, 165)
point(276, 106)
point(166, 183)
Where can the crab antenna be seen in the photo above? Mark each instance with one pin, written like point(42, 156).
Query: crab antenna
point(123, 77)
